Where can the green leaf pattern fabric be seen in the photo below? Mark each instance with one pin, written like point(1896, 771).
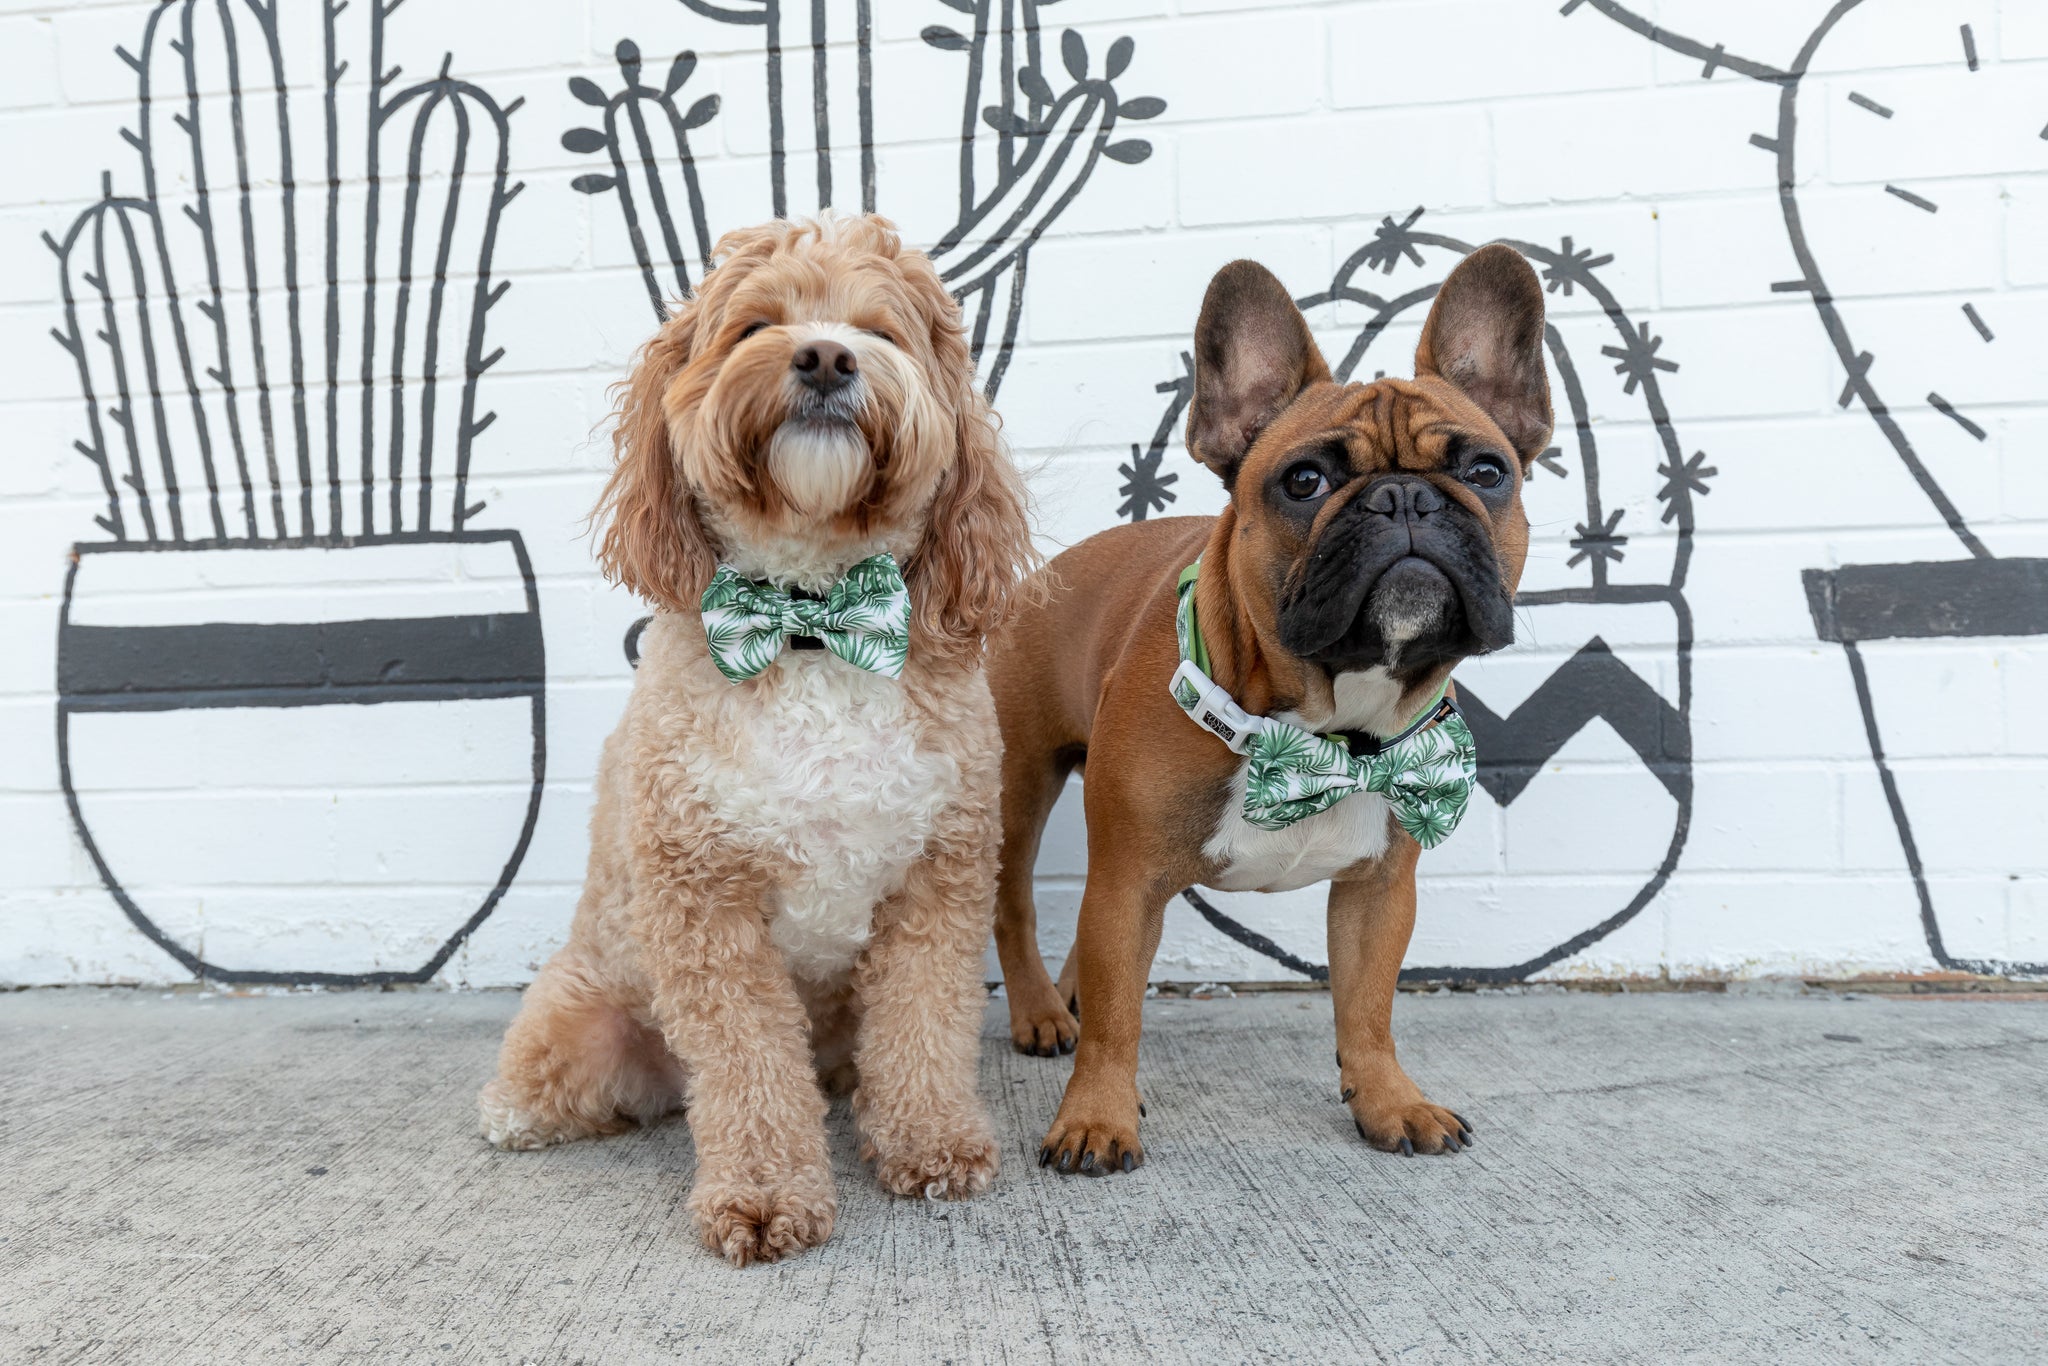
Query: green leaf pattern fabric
point(864, 619)
point(1427, 778)
point(1426, 775)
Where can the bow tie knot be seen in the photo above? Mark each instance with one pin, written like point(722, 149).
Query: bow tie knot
point(864, 619)
point(1426, 776)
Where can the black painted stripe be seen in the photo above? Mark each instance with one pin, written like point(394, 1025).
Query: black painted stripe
point(218, 664)
point(1948, 599)
point(1915, 200)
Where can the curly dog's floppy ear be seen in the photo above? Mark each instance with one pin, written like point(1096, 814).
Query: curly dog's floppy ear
point(653, 543)
point(977, 543)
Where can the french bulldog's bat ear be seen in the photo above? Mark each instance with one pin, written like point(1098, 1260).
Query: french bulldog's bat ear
point(1253, 354)
point(1485, 335)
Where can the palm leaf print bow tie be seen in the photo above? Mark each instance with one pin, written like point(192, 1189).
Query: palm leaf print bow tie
point(864, 619)
point(1426, 772)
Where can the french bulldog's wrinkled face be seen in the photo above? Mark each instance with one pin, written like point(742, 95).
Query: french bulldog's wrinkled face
point(1386, 518)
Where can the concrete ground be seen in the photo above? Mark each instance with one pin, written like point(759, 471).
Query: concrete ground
point(1720, 1177)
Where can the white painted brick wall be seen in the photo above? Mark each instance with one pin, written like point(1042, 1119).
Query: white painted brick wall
point(352, 839)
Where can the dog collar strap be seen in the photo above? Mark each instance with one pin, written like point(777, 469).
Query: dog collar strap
point(1426, 772)
point(864, 619)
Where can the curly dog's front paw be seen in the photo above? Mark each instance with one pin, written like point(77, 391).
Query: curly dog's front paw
point(951, 1167)
point(747, 1221)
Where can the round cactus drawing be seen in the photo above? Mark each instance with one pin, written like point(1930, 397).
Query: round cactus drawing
point(279, 337)
point(1929, 377)
point(1597, 690)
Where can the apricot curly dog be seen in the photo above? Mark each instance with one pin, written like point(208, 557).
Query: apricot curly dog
point(793, 851)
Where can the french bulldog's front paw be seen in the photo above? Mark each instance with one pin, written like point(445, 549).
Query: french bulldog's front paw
point(955, 1167)
point(1093, 1138)
point(746, 1221)
point(1410, 1127)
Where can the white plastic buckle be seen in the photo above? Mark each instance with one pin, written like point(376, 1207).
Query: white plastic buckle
point(1217, 711)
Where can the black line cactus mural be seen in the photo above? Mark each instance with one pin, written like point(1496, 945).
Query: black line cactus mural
point(1612, 582)
point(1919, 391)
point(280, 339)
point(1027, 148)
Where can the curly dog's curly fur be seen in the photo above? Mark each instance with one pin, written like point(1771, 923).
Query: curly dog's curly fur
point(791, 878)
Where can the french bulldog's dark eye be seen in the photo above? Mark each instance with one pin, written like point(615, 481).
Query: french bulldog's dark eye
point(752, 328)
point(1304, 482)
point(1486, 473)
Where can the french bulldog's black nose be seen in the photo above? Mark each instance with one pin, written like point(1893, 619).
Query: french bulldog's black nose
point(1403, 499)
point(824, 366)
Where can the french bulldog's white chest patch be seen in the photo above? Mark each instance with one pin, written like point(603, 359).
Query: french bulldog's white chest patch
point(1249, 858)
point(828, 772)
point(1252, 859)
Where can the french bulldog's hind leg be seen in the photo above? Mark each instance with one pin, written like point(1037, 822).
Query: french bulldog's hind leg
point(575, 1064)
point(1040, 1022)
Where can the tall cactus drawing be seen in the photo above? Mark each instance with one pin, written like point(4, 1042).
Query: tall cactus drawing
point(221, 295)
point(1026, 149)
point(279, 342)
point(1932, 395)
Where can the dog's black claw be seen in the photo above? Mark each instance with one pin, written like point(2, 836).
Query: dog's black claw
point(1066, 1046)
point(1088, 1167)
point(1044, 1156)
point(1361, 1128)
point(1407, 1148)
point(1066, 1160)
point(1462, 1124)
point(1129, 1162)
point(1465, 1137)
point(1451, 1144)
point(1340, 1057)
point(1349, 1092)
point(1141, 1109)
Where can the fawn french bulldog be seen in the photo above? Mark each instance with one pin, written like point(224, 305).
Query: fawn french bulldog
point(1261, 699)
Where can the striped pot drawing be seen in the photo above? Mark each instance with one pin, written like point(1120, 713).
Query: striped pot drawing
point(1964, 800)
point(1590, 709)
point(1032, 133)
point(300, 691)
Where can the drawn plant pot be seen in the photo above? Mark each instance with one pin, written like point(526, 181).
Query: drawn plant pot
point(300, 691)
point(285, 755)
point(1590, 709)
point(1969, 821)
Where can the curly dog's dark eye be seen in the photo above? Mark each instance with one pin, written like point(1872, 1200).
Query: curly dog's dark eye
point(751, 328)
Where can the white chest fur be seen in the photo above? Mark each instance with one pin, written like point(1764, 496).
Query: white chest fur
point(1256, 860)
point(1251, 859)
point(825, 767)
